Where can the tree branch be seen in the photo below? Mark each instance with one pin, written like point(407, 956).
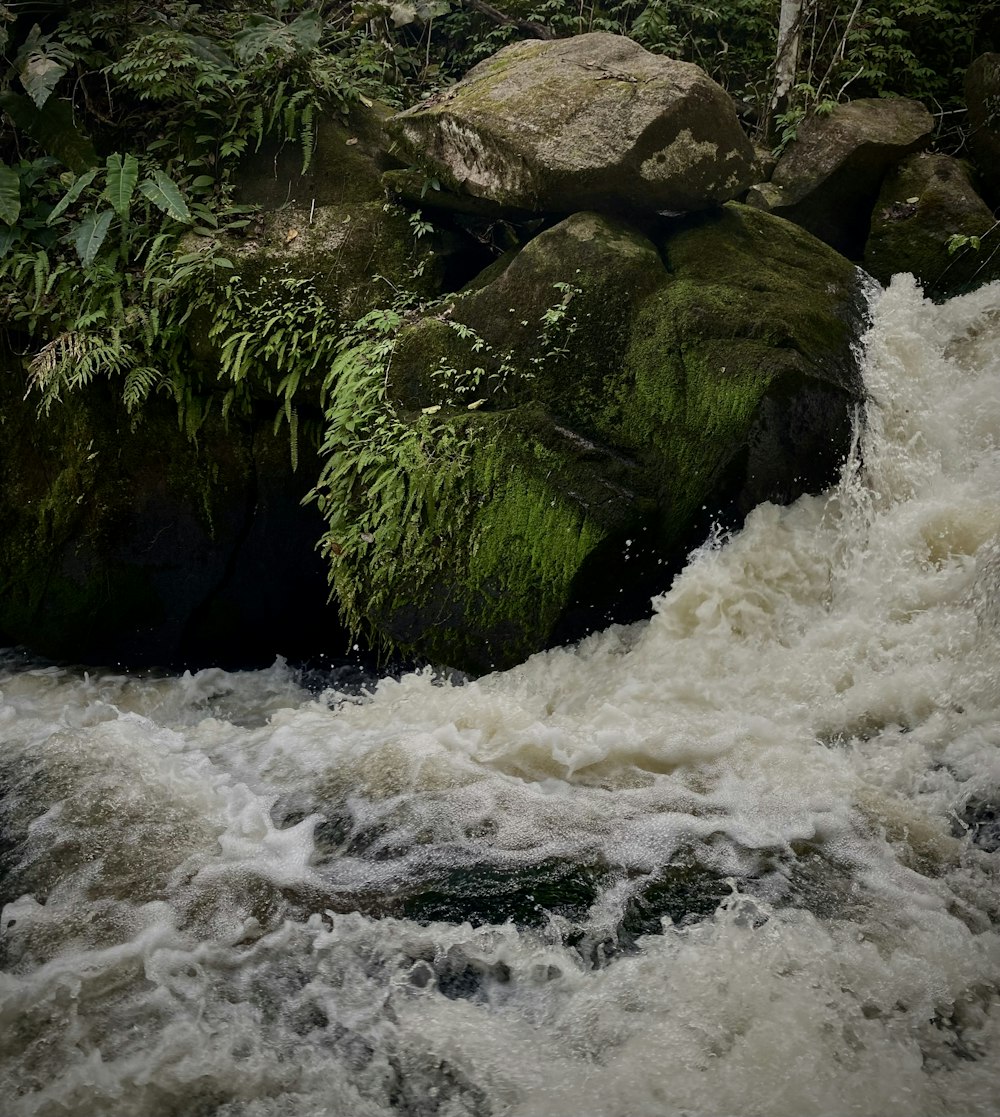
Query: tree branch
point(536, 30)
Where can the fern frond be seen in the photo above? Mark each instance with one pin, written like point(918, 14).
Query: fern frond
point(139, 384)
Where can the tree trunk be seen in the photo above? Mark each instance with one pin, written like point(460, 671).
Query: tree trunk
point(786, 59)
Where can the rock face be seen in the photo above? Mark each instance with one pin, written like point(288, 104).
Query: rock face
point(925, 202)
point(343, 165)
point(592, 122)
point(982, 95)
point(512, 465)
point(621, 395)
point(136, 546)
point(828, 180)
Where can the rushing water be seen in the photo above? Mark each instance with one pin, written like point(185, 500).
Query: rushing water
point(740, 859)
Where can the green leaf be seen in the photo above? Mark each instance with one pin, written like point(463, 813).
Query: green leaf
point(122, 178)
point(40, 76)
point(90, 234)
point(162, 191)
point(10, 194)
point(71, 196)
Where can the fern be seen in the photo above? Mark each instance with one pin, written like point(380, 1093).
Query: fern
point(139, 384)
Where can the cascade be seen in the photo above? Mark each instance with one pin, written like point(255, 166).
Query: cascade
point(738, 859)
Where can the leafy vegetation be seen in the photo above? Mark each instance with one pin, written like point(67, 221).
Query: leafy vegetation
point(125, 125)
point(130, 117)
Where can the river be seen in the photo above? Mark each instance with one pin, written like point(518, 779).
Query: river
point(740, 859)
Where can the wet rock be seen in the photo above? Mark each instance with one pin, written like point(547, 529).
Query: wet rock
point(491, 894)
point(131, 544)
point(681, 893)
point(590, 122)
point(828, 180)
point(982, 95)
point(924, 203)
point(979, 820)
point(617, 395)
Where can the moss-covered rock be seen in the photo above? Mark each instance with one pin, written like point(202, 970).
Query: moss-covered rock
point(828, 180)
point(714, 371)
point(925, 202)
point(545, 323)
point(982, 95)
point(590, 122)
point(355, 254)
point(129, 544)
point(740, 375)
point(343, 162)
point(536, 506)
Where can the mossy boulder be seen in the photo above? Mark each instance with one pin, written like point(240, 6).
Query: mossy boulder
point(982, 96)
point(306, 268)
point(538, 513)
point(740, 377)
point(541, 322)
point(355, 254)
point(925, 202)
point(131, 544)
point(829, 178)
point(590, 122)
point(341, 163)
point(689, 377)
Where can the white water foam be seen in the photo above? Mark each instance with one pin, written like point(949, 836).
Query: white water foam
point(230, 896)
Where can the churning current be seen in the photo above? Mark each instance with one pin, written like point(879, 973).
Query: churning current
point(740, 859)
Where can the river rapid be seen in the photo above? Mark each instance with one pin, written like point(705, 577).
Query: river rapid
point(740, 859)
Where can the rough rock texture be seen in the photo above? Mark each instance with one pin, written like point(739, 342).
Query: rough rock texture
point(927, 200)
point(356, 255)
point(828, 180)
point(592, 122)
point(138, 547)
point(982, 95)
point(344, 164)
point(720, 379)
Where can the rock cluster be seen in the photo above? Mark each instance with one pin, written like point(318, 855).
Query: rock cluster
point(652, 355)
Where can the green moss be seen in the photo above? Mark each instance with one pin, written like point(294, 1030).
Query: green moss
point(484, 583)
point(751, 307)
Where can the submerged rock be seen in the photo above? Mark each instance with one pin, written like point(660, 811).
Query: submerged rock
point(925, 202)
point(591, 122)
point(828, 180)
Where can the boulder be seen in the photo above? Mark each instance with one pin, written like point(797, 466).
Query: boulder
point(619, 402)
point(828, 180)
point(925, 202)
point(340, 163)
point(355, 255)
point(591, 122)
point(127, 543)
point(982, 96)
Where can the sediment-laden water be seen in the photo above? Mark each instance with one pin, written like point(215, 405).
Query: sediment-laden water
point(740, 859)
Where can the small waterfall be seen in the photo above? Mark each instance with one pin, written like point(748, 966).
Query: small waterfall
point(738, 859)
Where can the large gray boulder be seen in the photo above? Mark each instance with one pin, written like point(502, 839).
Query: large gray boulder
point(982, 95)
point(828, 180)
point(926, 202)
point(592, 122)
